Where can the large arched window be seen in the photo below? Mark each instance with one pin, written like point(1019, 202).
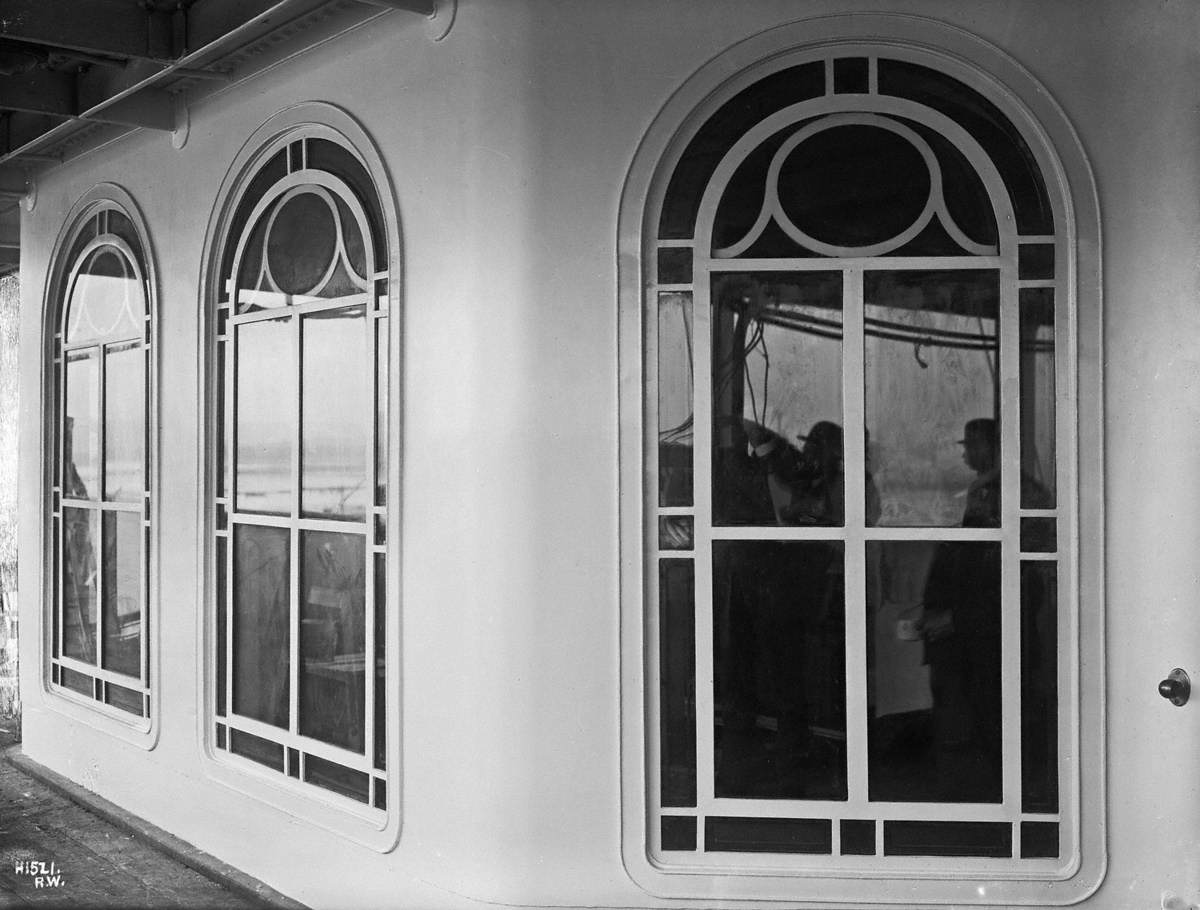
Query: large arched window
point(859, 525)
point(299, 644)
point(100, 483)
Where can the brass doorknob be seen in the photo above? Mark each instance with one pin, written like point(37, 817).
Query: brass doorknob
point(1177, 688)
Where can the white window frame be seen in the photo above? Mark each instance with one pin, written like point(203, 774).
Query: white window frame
point(873, 879)
point(362, 823)
point(139, 731)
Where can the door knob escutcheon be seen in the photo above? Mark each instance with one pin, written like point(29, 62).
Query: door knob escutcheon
point(1177, 687)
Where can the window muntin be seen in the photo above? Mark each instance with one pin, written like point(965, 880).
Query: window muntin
point(944, 288)
point(100, 482)
point(301, 524)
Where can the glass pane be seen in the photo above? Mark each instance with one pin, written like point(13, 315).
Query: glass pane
point(81, 544)
point(77, 682)
point(676, 532)
point(1039, 535)
point(777, 399)
point(123, 698)
point(381, 696)
point(768, 835)
point(858, 837)
point(1039, 839)
point(675, 265)
point(947, 838)
point(124, 423)
point(331, 776)
point(381, 407)
point(931, 352)
point(1035, 260)
point(335, 479)
point(106, 299)
point(222, 438)
point(675, 399)
point(222, 620)
point(339, 160)
point(850, 75)
point(256, 749)
point(933, 671)
point(261, 620)
point(81, 432)
point(779, 669)
point(380, 793)
point(678, 832)
point(1039, 686)
point(123, 593)
point(332, 638)
point(301, 242)
point(265, 395)
point(677, 681)
point(1038, 449)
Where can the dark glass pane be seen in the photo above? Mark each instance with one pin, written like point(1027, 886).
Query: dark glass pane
point(295, 155)
point(858, 837)
point(967, 202)
point(675, 532)
point(335, 777)
point(336, 411)
point(1039, 535)
point(329, 156)
point(221, 736)
point(301, 242)
point(256, 749)
point(254, 289)
point(675, 418)
point(931, 351)
point(56, 587)
point(81, 545)
point(222, 620)
point(1035, 260)
point(1038, 436)
point(332, 638)
point(86, 235)
point(122, 227)
point(124, 419)
point(123, 698)
point(81, 432)
point(779, 669)
point(742, 202)
point(77, 682)
point(222, 440)
point(777, 399)
point(947, 838)
point(380, 793)
point(1039, 686)
point(678, 832)
point(1039, 839)
point(933, 671)
point(677, 681)
point(273, 170)
point(293, 763)
point(261, 620)
point(123, 593)
point(988, 126)
point(731, 121)
point(266, 388)
point(381, 407)
point(355, 268)
point(850, 75)
point(854, 185)
point(768, 835)
point(381, 699)
point(106, 299)
point(675, 265)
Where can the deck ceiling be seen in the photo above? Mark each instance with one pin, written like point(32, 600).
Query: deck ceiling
point(74, 73)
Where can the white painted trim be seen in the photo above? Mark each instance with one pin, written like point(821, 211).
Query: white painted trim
point(1072, 189)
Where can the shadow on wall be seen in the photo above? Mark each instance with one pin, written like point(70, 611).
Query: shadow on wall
point(10, 698)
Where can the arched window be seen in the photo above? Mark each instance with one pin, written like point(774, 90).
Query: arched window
point(100, 485)
point(859, 520)
point(300, 520)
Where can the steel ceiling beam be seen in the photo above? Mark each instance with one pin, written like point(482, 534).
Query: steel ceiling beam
point(115, 28)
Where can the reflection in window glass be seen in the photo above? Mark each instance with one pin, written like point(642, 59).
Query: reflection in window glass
point(123, 592)
point(336, 427)
point(779, 669)
point(1037, 398)
point(261, 637)
point(81, 434)
point(675, 418)
point(777, 399)
point(81, 540)
point(332, 638)
point(933, 674)
point(266, 382)
point(931, 352)
point(124, 410)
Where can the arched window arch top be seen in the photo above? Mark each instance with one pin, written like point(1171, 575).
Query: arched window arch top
point(107, 296)
point(878, 166)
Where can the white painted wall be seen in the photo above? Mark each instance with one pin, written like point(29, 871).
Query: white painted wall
point(508, 144)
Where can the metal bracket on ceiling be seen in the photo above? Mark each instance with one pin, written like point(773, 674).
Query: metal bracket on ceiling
point(183, 122)
point(438, 13)
point(25, 193)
